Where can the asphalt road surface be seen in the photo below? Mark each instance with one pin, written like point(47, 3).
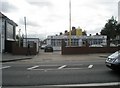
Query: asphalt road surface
point(57, 73)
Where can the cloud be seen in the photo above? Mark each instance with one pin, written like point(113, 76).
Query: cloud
point(52, 16)
point(40, 3)
point(7, 7)
point(41, 36)
point(29, 23)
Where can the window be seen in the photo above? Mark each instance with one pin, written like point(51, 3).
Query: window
point(9, 31)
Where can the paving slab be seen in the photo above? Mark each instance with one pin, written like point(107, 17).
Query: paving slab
point(7, 57)
point(57, 56)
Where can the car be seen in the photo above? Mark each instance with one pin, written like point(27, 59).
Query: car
point(95, 45)
point(48, 48)
point(112, 45)
point(113, 61)
point(118, 45)
point(43, 46)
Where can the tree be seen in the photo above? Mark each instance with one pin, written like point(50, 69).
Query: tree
point(110, 30)
point(84, 33)
point(97, 34)
point(118, 29)
point(61, 33)
point(21, 39)
point(118, 32)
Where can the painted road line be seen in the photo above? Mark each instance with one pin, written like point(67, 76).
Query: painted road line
point(49, 65)
point(5, 67)
point(33, 67)
point(91, 85)
point(73, 68)
point(90, 66)
point(63, 66)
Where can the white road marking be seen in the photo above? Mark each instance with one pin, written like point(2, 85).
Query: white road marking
point(90, 66)
point(58, 68)
point(33, 67)
point(5, 67)
point(62, 66)
point(49, 65)
point(43, 69)
point(88, 85)
point(36, 67)
point(73, 68)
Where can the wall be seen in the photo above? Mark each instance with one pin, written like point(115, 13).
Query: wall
point(31, 41)
point(87, 50)
point(0, 43)
point(22, 50)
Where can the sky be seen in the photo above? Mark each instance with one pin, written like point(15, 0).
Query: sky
point(50, 17)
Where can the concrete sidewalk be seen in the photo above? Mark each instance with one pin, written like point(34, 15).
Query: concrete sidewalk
point(56, 56)
point(51, 57)
point(7, 57)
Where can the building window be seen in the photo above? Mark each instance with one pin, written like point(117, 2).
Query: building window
point(9, 31)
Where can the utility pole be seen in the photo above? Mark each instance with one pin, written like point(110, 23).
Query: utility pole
point(70, 23)
point(25, 30)
point(19, 38)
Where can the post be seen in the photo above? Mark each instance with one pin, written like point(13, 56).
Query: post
point(69, 22)
point(25, 30)
point(19, 38)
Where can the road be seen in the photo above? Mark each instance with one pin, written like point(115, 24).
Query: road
point(57, 73)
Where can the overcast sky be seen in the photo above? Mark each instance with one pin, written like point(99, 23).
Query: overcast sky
point(50, 17)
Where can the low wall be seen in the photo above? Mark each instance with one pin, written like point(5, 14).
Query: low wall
point(86, 50)
point(22, 50)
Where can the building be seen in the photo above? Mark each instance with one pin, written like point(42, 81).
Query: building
point(74, 31)
point(76, 41)
point(31, 41)
point(7, 33)
point(119, 12)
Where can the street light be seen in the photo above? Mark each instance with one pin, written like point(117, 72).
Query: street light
point(25, 30)
point(69, 22)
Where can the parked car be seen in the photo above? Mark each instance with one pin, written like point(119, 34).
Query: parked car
point(112, 45)
point(118, 45)
point(95, 45)
point(48, 48)
point(113, 61)
point(43, 46)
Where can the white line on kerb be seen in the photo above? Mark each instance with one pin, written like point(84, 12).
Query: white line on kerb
point(5, 67)
point(90, 66)
point(33, 67)
point(62, 66)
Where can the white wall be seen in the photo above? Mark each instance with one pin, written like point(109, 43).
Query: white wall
point(0, 43)
point(119, 12)
point(0, 35)
point(56, 47)
point(32, 40)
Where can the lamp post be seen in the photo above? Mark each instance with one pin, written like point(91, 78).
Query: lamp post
point(25, 30)
point(69, 22)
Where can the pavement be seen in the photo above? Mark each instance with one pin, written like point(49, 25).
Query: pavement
point(57, 56)
point(7, 57)
point(51, 56)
